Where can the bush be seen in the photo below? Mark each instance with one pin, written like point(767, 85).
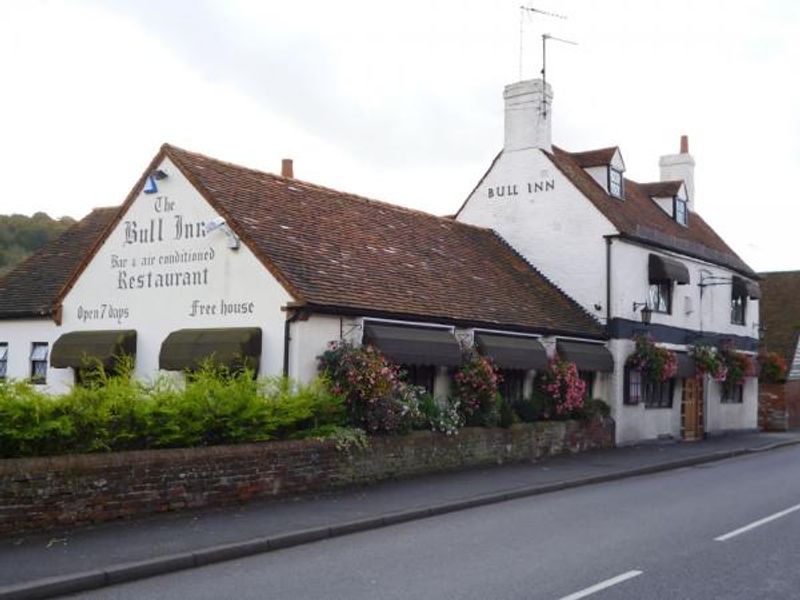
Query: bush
point(475, 389)
point(375, 396)
point(594, 409)
point(119, 413)
point(561, 390)
point(427, 413)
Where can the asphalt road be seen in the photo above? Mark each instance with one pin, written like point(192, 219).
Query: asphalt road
point(647, 537)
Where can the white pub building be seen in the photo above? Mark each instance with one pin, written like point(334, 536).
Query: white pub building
point(552, 252)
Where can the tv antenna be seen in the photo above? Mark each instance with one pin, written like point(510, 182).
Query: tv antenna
point(529, 10)
point(545, 37)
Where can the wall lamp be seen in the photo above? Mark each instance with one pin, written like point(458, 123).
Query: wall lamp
point(647, 312)
point(158, 175)
point(219, 223)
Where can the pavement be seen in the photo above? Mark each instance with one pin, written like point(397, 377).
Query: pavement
point(73, 560)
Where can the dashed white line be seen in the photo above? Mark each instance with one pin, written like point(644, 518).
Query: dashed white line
point(602, 585)
point(758, 523)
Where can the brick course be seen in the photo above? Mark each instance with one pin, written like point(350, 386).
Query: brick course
point(41, 493)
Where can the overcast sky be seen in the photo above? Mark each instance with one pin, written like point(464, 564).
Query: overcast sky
point(401, 101)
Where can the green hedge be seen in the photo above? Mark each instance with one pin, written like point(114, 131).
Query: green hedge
point(120, 413)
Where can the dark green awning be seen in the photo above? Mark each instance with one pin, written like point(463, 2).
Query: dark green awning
point(512, 351)
point(587, 357)
point(407, 345)
point(84, 348)
point(753, 290)
point(232, 347)
point(662, 270)
point(686, 365)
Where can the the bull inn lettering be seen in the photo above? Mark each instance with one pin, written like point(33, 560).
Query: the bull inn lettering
point(515, 189)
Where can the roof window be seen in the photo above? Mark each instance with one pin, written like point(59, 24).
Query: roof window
point(616, 183)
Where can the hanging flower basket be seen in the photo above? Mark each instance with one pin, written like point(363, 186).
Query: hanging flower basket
point(655, 363)
point(773, 367)
point(737, 364)
point(563, 386)
point(709, 362)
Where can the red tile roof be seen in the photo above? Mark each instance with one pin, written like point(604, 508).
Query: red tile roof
point(638, 217)
point(342, 251)
point(661, 189)
point(594, 158)
point(30, 290)
point(780, 312)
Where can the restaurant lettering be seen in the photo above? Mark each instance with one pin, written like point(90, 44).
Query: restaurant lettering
point(514, 189)
point(179, 267)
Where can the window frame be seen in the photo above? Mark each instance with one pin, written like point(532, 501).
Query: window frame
point(678, 201)
point(734, 395)
point(632, 377)
point(509, 376)
point(3, 361)
point(420, 375)
point(41, 377)
point(659, 394)
point(621, 195)
point(737, 307)
point(661, 285)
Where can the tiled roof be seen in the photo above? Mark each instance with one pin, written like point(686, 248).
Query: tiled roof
point(594, 158)
point(640, 218)
point(780, 311)
point(661, 189)
point(32, 288)
point(337, 250)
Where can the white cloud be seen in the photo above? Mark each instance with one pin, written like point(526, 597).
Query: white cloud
point(400, 101)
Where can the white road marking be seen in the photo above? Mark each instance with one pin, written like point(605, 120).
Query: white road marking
point(758, 523)
point(602, 585)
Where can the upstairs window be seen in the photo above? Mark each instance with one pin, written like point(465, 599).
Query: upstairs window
point(659, 297)
point(3, 360)
point(39, 354)
point(738, 301)
point(616, 184)
point(681, 212)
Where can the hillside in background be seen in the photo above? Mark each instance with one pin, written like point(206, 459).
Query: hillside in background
point(20, 236)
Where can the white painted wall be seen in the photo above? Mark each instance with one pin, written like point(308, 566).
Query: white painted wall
point(553, 226)
point(731, 417)
point(102, 298)
point(20, 334)
point(706, 311)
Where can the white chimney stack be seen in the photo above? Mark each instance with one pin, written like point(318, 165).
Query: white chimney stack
point(529, 109)
point(680, 166)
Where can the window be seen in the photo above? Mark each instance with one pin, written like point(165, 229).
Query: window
point(512, 384)
point(39, 353)
point(3, 360)
point(659, 297)
point(588, 379)
point(421, 375)
point(733, 395)
point(633, 386)
point(681, 212)
point(654, 394)
point(658, 394)
point(738, 305)
point(616, 184)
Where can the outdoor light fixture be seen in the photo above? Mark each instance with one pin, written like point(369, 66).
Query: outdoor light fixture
point(647, 312)
point(158, 175)
point(219, 223)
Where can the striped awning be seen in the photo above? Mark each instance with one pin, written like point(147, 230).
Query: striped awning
point(232, 347)
point(78, 349)
point(413, 345)
point(512, 351)
point(586, 356)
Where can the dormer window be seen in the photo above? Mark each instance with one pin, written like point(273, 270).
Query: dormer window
point(681, 212)
point(616, 185)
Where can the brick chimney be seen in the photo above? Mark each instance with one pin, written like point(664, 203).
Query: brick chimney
point(529, 108)
point(287, 168)
point(680, 166)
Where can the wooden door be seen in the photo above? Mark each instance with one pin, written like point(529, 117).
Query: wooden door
point(692, 409)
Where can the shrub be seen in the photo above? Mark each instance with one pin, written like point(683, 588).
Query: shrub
point(475, 389)
point(594, 409)
point(654, 362)
point(427, 413)
point(773, 367)
point(373, 392)
point(119, 413)
point(562, 391)
point(708, 362)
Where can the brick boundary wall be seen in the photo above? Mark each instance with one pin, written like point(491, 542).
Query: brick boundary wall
point(779, 406)
point(41, 493)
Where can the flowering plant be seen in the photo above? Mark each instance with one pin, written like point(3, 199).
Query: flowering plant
point(370, 385)
point(562, 384)
point(738, 365)
point(654, 362)
point(773, 367)
point(475, 389)
point(709, 362)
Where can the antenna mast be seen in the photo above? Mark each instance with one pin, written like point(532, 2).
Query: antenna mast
point(545, 37)
point(523, 10)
